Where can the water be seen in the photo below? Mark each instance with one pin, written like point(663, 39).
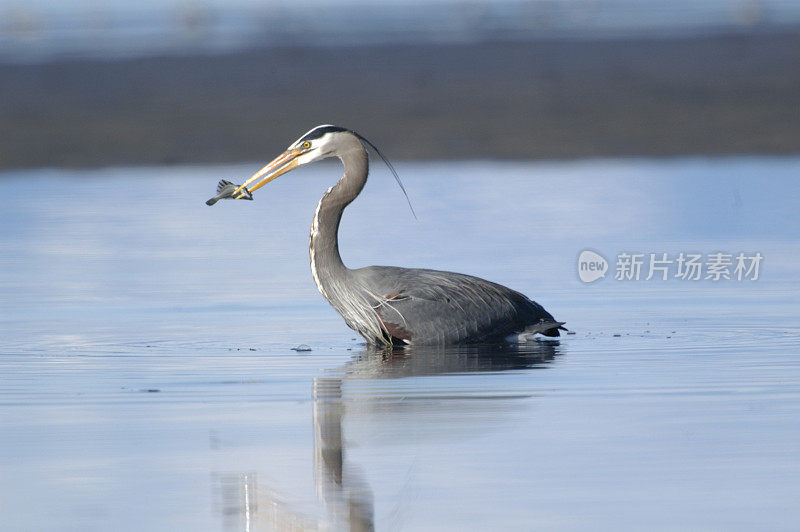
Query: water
point(147, 379)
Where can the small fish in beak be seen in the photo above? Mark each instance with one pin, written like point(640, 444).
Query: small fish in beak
point(226, 189)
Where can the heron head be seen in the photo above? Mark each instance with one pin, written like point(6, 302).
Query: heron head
point(319, 143)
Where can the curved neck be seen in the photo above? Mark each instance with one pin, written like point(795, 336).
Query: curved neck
point(326, 263)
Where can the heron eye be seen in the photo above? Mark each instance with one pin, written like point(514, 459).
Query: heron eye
point(306, 145)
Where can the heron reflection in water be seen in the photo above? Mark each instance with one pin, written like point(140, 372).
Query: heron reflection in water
point(389, 305)
point(341, 485)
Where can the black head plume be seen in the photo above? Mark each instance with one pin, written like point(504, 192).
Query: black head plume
point(391, 167)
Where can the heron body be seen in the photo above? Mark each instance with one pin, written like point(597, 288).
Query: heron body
point(392, 305)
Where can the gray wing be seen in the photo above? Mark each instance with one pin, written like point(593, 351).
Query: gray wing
point(427, 307)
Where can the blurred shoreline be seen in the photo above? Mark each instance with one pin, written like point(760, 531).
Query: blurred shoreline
point(720, 94)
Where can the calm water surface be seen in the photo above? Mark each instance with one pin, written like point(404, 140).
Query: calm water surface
point(148, 381)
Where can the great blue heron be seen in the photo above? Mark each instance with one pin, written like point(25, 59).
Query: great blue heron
point(386, 304)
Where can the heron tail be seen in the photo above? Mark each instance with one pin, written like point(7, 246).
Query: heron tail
point(546, 328)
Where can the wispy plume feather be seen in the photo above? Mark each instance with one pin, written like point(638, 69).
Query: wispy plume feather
point(391, 167)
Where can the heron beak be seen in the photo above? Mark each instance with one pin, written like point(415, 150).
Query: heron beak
point(283, 163)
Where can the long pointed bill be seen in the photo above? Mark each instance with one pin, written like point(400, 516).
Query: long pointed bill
point(283, 163)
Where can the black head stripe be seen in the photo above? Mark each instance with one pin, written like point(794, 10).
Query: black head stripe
point(322, 130)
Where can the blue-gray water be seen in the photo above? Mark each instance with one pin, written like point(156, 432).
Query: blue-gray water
point(147, 380)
